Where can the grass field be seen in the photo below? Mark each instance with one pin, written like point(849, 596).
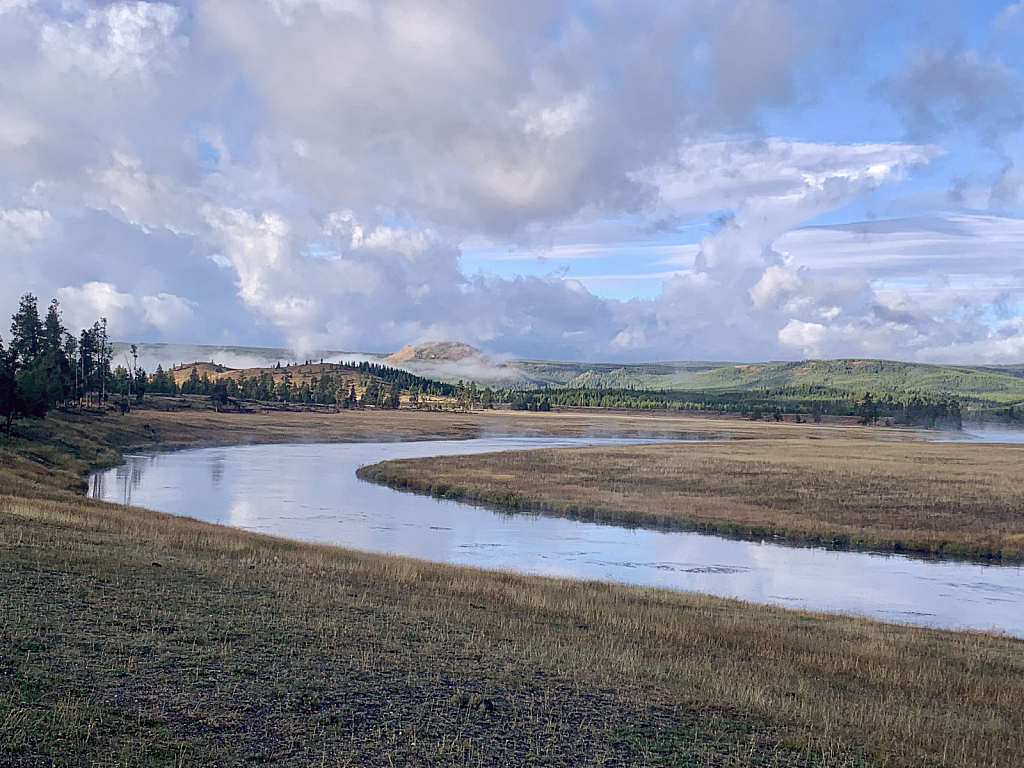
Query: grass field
point(964, 500)
point(130, 637)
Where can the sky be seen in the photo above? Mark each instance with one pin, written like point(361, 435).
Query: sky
point(611, 181)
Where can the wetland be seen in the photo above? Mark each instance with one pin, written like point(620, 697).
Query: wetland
point(135, 637)
point(310, 492)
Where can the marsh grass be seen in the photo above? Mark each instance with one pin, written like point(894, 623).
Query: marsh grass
point(131, 637)
point(949, 499)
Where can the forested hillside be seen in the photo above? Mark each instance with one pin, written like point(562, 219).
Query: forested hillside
point(965, 382)
point(1002, 385)
point(342, 384)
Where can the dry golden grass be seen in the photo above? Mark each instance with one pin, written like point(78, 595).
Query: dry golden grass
point(949, 498)
point(241, 648)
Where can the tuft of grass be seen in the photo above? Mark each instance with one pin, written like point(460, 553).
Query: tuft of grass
point(949, 499)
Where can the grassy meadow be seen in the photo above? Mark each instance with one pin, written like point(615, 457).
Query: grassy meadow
point(131, 637)
point(961, 500)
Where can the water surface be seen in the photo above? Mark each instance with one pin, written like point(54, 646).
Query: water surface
point(310, 492)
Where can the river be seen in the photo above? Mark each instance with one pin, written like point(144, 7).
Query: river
point(309, 492)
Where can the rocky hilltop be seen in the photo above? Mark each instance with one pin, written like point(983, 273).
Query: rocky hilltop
point(452, 360)
point(435, 352)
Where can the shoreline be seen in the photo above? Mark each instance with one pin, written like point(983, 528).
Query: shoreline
point(882, 498)
point(383, 473)
point(131, 632)
point(613, 424)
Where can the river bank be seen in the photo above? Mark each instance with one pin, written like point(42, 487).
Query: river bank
point(954, 500)
point(138, 638)
point(310, 492)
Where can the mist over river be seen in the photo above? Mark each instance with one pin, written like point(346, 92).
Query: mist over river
point(310, 492)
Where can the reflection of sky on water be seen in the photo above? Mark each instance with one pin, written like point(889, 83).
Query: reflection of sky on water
point(984, 433)
point(310, 492)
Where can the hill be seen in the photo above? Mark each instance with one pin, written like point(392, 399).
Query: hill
point(977, 387)
point(172, 355)
point(335, 384)
point(969, 383)
point(453, 361)
point(668, 375)
point(1002, 385)
point(435, 351)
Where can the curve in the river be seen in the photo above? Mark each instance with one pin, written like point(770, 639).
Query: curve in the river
point(309, 492)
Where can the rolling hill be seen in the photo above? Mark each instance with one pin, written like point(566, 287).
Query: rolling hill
point(986, 386)
point(1002, 385)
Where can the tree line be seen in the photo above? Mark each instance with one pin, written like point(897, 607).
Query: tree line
point(44, 364)
point(813, 402)
point(382, 387)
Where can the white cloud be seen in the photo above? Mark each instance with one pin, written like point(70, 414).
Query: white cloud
point(16, 130)
point(121, 40)
point(166, 311)
point(85, 305)
point(19, 228)
point(303, 171)
point(774, 283)
point(806, 176)
point(125, 187)
point(9, 6)
point(555, 120)
point(805, 337)
point(943, 261)
point(256, 249)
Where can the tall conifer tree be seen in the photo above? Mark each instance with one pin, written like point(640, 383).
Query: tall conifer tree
point(26, 330)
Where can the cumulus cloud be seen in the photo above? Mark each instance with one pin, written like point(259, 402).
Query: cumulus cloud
point(805, 337)
point(395, 285)
point(84, 305)
point(776, 282)
point(304, 172)
point(121, 40)
point(165, 311)
point(20, 227)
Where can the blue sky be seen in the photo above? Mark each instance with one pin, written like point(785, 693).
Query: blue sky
point(707, 179)
point(843, 108)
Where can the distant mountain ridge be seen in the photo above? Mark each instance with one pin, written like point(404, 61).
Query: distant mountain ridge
point(453, 360)
point(992, 384)
point(1003, 385)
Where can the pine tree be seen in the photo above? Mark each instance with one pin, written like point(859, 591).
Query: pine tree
point(194, 385)
point(8, 388)
point(106, 354)
point(26, 331)
point(71, 355)
point(86, 359)
point(53, 331)
point(141, 384)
